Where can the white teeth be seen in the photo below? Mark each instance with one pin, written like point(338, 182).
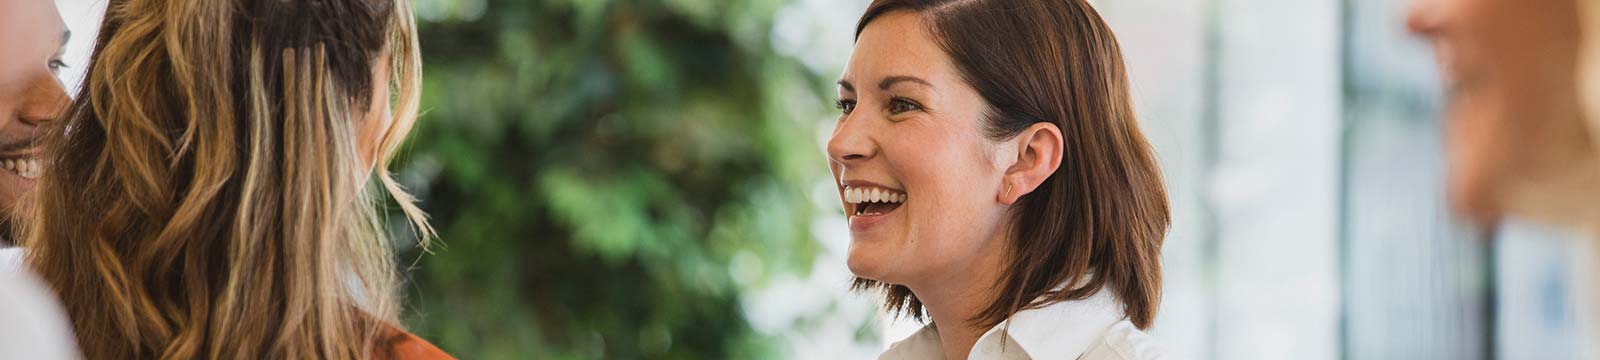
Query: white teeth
point(27, 168)
point(869, 195)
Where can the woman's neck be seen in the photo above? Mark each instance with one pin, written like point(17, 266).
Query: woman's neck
point(953, 313)
point(954, 299)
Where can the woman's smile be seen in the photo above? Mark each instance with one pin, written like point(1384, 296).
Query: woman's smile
point(870, 204)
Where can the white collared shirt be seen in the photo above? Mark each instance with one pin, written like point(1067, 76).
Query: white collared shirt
point(1091, 329)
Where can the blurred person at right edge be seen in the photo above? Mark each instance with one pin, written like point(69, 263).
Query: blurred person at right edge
point(1522, 86)
point(1522, 83)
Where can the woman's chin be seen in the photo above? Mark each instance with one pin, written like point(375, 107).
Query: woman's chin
point(1564, 199)
point(867, 262)
point(12, 188)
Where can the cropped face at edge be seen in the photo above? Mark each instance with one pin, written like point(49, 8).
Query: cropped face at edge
point(32, 39)
point(1518, 143)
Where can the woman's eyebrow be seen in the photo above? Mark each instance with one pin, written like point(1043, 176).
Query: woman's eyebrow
point(66, 35)
point(847, 86)
point(890, 81)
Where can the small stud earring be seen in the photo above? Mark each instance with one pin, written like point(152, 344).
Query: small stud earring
point(1008, 191)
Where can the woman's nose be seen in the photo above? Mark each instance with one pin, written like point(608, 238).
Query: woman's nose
point(1425, 17)
point(851, 143)
point(44, 101)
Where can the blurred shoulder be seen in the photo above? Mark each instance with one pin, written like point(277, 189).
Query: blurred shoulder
point(402, 345)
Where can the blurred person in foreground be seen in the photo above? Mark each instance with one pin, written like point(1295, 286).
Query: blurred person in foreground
point(32, 38)
point(1522, 83)
point(996, 180)
point(1522, 80)
point(206, 196)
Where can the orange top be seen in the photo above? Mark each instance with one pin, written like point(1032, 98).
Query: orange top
point(401, 345)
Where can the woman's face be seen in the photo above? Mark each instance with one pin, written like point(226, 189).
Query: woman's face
point(1516, 130)
point(32, 38)
point(911, 141)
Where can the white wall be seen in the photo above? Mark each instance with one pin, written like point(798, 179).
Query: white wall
point(83, 19)
point(1164, 45)
point(1242, 100)
point(1275, 185)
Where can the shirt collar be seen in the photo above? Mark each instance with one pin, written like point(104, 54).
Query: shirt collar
point(1062, 330)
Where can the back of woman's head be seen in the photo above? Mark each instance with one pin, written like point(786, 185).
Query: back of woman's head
point(206, 196)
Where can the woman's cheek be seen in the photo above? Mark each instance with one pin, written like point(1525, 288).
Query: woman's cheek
point(1589, 68)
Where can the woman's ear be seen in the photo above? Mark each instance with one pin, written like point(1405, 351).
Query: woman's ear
point(1040, 148)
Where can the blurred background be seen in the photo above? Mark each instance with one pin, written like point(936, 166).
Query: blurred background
point(645, 179)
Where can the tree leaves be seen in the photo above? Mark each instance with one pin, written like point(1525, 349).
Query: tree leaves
point(594, 167)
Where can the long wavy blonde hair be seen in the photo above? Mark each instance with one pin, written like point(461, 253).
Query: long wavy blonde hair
point(205, 196)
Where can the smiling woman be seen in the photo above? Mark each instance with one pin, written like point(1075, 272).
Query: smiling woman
point(32, 325)
point(997, 181)
point(32, 37)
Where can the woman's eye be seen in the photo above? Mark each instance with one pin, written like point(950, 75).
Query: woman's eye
point(845, 106)
point(57, 65)
point(899, 105)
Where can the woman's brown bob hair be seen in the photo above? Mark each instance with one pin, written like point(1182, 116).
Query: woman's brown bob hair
point(1100, 219)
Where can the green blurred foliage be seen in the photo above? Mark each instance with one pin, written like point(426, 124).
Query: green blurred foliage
point(593, 166)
